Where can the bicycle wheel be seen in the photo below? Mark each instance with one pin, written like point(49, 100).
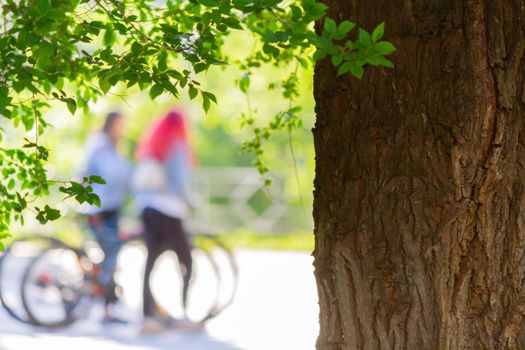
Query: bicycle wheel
point(13, 264)
point(227, 272)
point(213, 284)
point(202, 290)
point(55, 291)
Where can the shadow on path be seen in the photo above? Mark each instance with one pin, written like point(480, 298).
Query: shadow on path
point(98, 338)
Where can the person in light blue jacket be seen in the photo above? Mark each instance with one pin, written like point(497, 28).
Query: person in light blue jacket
point(103, 159)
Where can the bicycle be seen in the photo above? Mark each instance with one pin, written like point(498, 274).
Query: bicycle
point(13, 263)
point(60, 282)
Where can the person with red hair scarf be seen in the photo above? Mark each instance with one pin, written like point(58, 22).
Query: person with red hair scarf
point(162, 181)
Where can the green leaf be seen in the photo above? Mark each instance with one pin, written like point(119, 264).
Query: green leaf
point(385, 62)
point(200, 67)
point(94, 199)
point(378, 32)
point(373, 60)
point(364, 38)
point(314, 11)
point(319, 54)
point(345, 27)
point(104, 85)
point(384, 47)
point(47, 214)
point(51, 214)
point(329, 25)
point(378, 60)
point(71, 105)
point(155, 91)
point(4, 98)
point(205, 104)
point(120, 27)
point(296, 12)
point(136, 48)
point(270, 50)
point(233, 23)
point(209, 3)
point(192, 92)
point(357, 70)
point(4, 234)
point(109, 36)
point(337, 59)
point(209, 96)
point(43, 6)
point(163, 61)
point(45, 52)
point(219, 63)
point(352, 67)
point(244, 82)
point(96, 180)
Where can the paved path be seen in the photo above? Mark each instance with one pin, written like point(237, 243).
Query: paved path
point(275, 308)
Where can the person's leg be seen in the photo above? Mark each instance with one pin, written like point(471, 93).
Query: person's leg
point(178, 241)
point(106, 232)
point(173, 237)
point(112, 249)
point(151, 221)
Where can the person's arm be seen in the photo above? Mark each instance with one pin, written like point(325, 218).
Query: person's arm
point(179, 173)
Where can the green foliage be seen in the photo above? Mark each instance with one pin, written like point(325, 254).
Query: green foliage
point(242, 239)
point(82, 192)
point(76, 51)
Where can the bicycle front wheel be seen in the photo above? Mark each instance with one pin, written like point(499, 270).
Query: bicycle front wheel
point(13, 264)
point(54, 289)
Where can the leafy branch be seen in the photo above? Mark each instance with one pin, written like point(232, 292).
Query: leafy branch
point(76, 51)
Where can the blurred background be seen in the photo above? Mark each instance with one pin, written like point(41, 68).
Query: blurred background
point(269, 227)
point(228, 191)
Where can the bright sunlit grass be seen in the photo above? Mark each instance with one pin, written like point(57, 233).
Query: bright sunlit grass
point(244, 239)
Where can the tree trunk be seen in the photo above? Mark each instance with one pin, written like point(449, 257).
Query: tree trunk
point(420, 182)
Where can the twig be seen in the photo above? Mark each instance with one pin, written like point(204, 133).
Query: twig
point(290, 142)
point(36, 127)
point(135, 29)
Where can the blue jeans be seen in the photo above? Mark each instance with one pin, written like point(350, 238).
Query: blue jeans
point(105, 228)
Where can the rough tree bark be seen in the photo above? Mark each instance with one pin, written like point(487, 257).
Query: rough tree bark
point(420, 186)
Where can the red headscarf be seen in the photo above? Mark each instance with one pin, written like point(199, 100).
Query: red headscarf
point(160, 139)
